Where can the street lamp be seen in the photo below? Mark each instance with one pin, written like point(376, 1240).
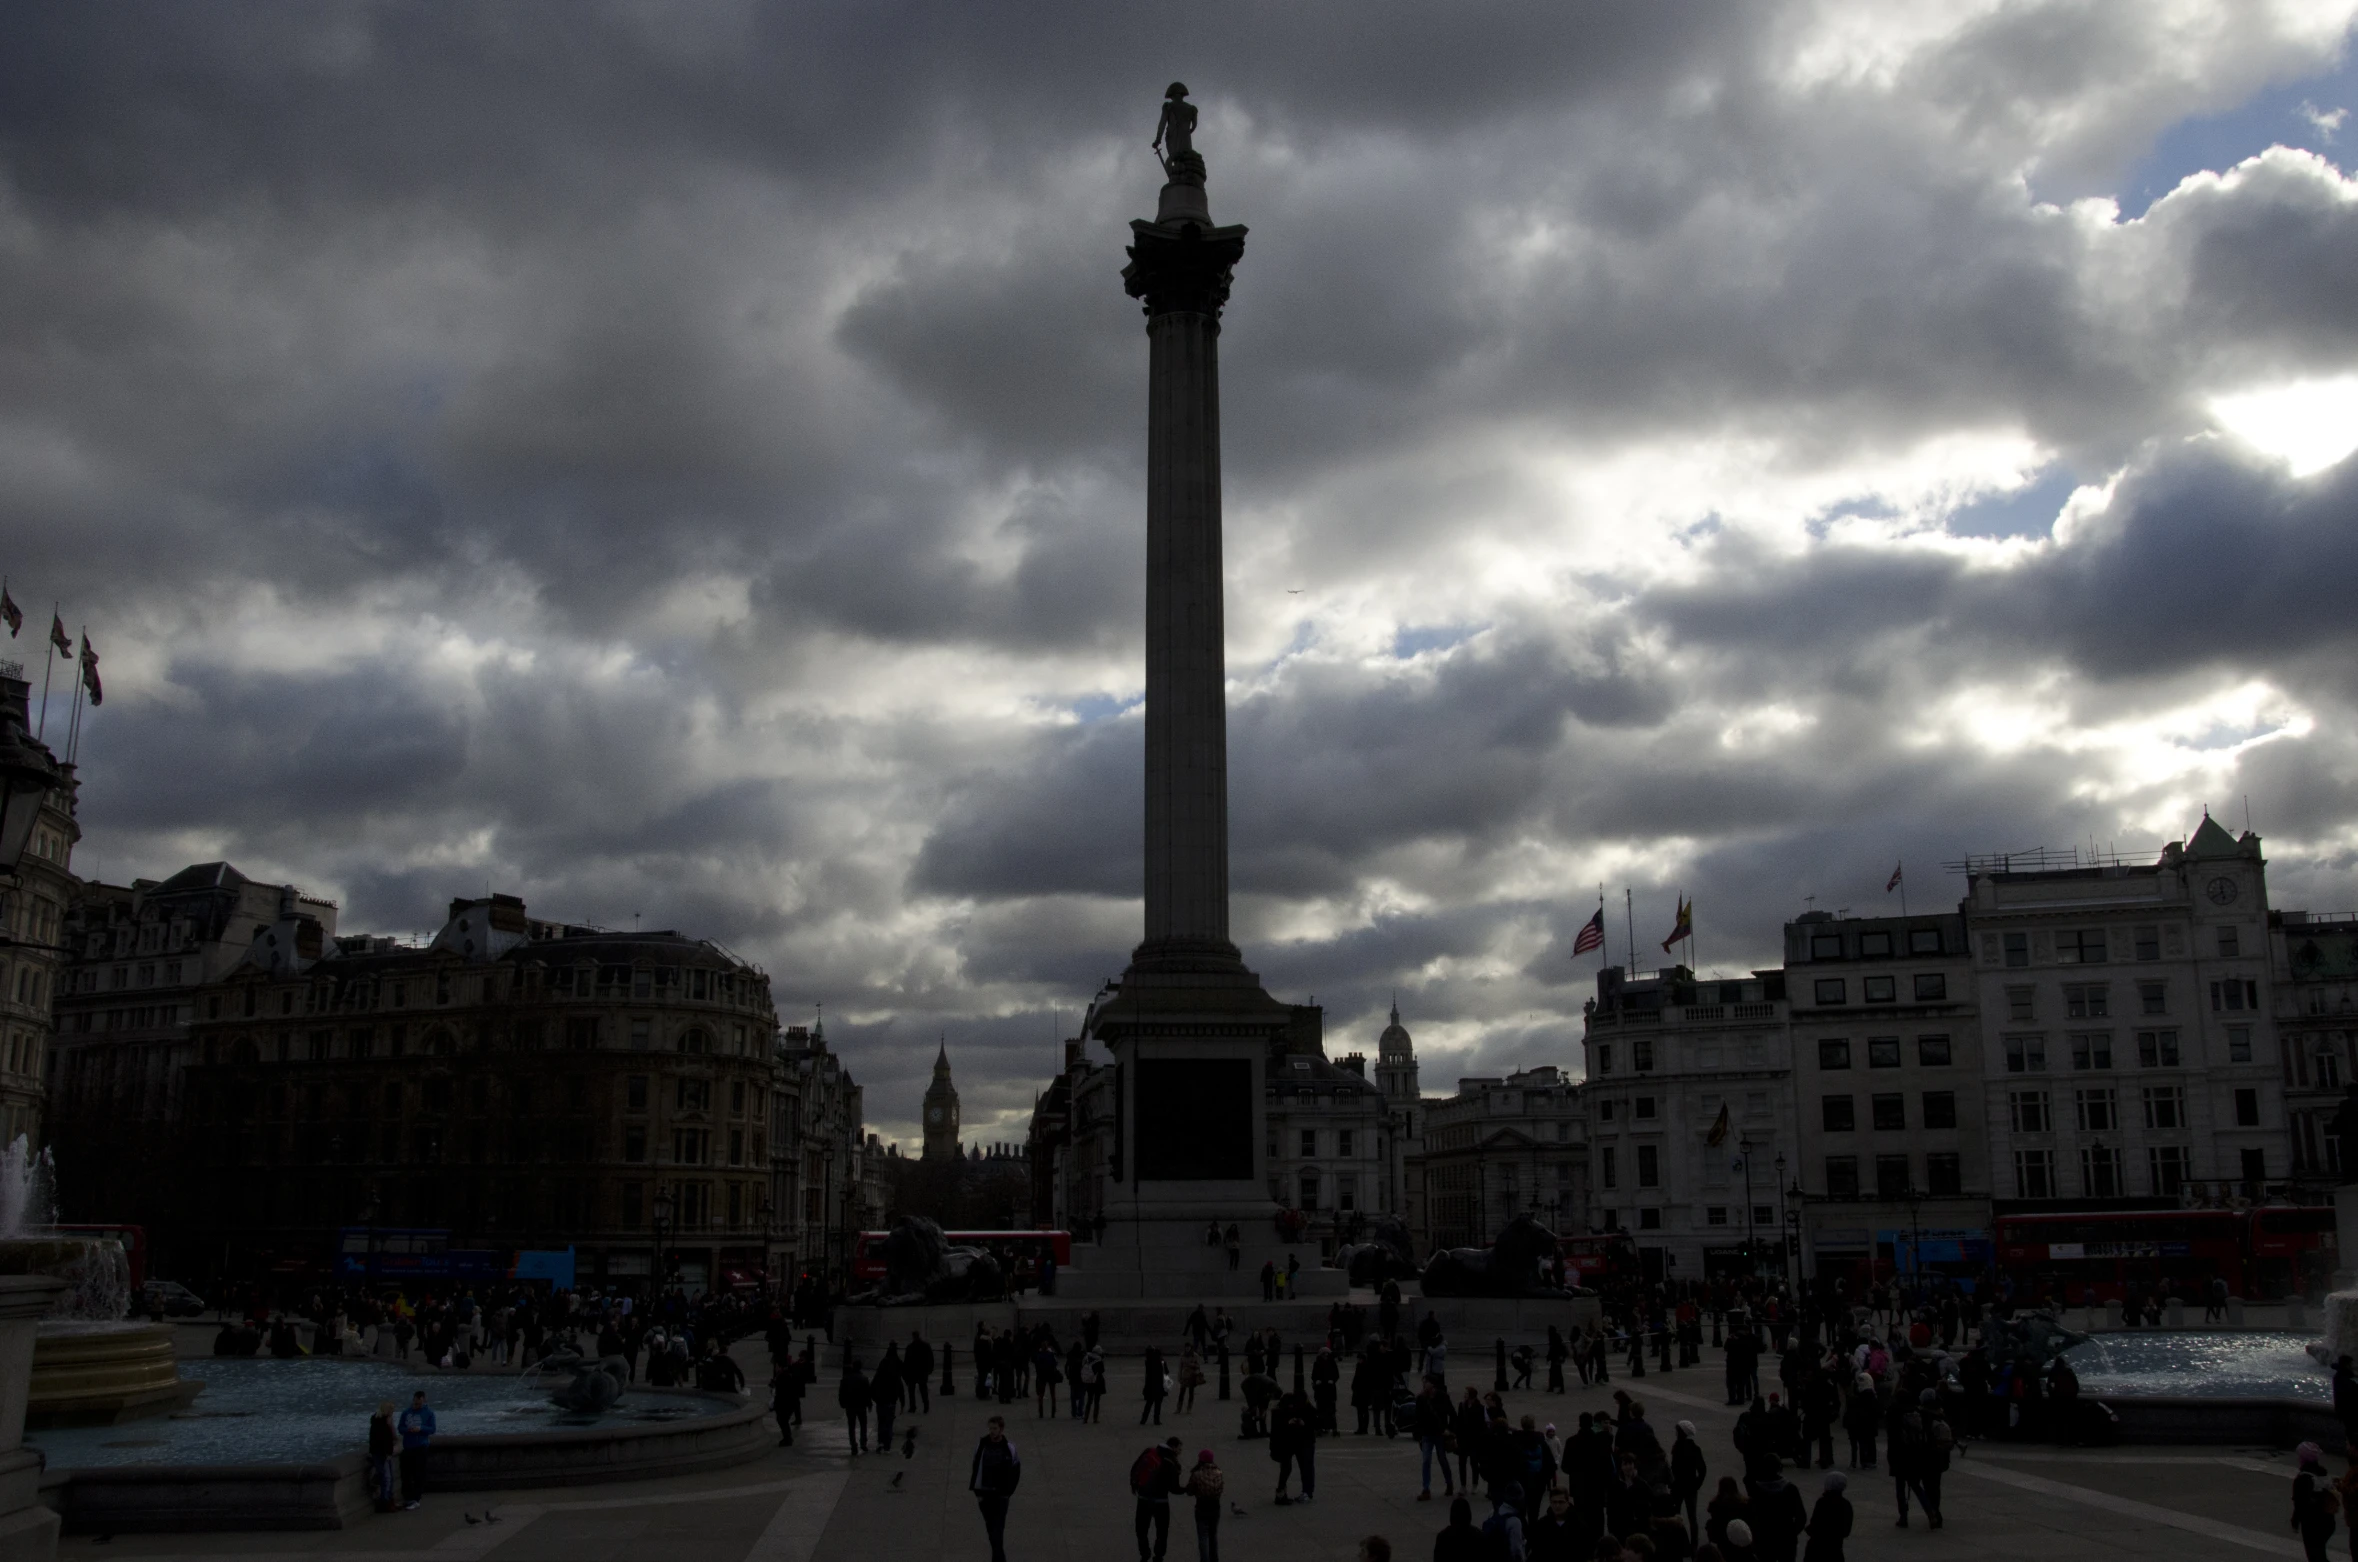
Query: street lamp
point(662, 1266)
point(1744, 1151)
point(1784, 1243)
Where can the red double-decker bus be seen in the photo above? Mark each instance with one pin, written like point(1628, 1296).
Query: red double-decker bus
point(2100, 1257)
point(867, 1264)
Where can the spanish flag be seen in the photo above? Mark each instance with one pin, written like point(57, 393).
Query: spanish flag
point(1686, 924)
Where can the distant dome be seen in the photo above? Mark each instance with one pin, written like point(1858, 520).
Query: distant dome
point(1394, 1041)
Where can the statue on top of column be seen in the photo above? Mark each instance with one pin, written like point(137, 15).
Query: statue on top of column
point(1174, 138)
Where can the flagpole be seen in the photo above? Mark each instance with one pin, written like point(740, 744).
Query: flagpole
point(1903, 878)
point(1629, 915)
point(48, 661)
point(74, 727)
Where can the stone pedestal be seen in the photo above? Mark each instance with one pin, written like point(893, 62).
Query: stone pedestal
point(28, 1530)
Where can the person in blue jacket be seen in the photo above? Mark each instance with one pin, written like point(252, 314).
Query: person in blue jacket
point(417, 1430)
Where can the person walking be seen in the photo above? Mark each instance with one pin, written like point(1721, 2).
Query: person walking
point(1829, 1521)
point(384, 1443)
point(1206, 1483)
point(1154, 1477)
point(917, 1374)
point(1860, 1419)
point(884, 1393)
point(853, 1394)
point(2315, 1502)
point(1155, 1387)
point(1191, 1376)
point(996, 1471)
point(1268, 1280)
point(1688, 1471)
point(1047, 1372)
point(417, 1431)
point(1432, 1438)
point(1293, 1443)
point(1558, 1353)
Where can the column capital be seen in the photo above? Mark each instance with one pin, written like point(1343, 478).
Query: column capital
point(1182, 268)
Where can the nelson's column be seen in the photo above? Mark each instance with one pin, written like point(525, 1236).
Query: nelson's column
point(1191, 1031)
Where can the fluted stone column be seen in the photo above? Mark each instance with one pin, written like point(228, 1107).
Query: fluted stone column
point(1181, 267)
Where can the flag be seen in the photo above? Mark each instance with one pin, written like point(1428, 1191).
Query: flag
point(10, 613)
point(1685, 927)
point(90, 674)
point(1719, 1130)
point(59, 638)
point(1894, 881)
point(1591, 934)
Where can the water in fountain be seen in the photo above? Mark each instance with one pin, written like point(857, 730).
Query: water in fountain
point(97, 1272)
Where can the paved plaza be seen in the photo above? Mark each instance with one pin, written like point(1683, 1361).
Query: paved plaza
point(816, 1502)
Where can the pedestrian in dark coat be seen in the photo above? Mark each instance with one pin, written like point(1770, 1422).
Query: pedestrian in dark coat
point(884, 1393)
point(1829, 1522)
point(2314, 1501)
point(917, 1374)
point(992, 1478)
point(1688, 1471)
point(1153, 1388)
point(1775, 1513)
point(852, 1393)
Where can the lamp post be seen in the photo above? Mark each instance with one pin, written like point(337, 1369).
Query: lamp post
point(660, 1271)
point(1784, 1246)
point(1744, 1151)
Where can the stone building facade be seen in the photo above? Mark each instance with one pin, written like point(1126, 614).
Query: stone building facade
point(1325, 1145)
point(2131, 1013)
point(2314, 966)
point(1403, 1143)
point(1690, 1117)
point(1502, 1146)
point(819, 1176)
point(36, 895)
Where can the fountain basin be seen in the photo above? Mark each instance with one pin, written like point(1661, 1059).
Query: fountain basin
point(2198, 1386)
point(97, 1374)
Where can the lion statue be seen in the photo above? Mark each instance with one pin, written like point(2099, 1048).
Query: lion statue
point(921, 1266)
point(1385, 1255)
point(1510, 1266)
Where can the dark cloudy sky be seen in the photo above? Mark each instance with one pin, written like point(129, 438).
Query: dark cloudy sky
point(684, 460)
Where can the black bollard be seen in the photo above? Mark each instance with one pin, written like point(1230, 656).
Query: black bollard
point(1223, 1369)
point(949, 1383)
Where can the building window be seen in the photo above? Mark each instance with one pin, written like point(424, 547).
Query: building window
point(2100, 1171)
point(1891, 1176)
point(635, 1093)
point(2030, 1111)
point(2018, 954)
point(1944, 1173)
point(1604, 1114)
point(1838, 1114)
point(1878, 989)
point(1604, 1058)
point(633, 1195)
point(2165, 1106)
point(1826, 946)
point(1883, 1052)
point(2329, 1071)
point(1932, 1051)
point(1715, 1215)
point(1830, 990)
point(2085, 1001)
point(2091, 1049)
point(1874, 946)
point(2020, 1004)
point(1924, 941)
point(2148, 942)
point(2234, 997)
point(1343, 1146)
point(1931, 987)
point(2157, 1049)
point(1309, 1190)
point(634, 1142)
point(1609, 1163)
point(2229, 945)
point(2034, 1174)
point(1940, 1109)
point(2247, 1108)
point(2099, 1111)
point(2255, 1165)
point(1833, 1054)
point(2085, 947)
point(2239, 1043)
point(1644, 1108)
point(1842, 1176)
point(1649, 1220)
point(1641, 1055)
point(688, 1146)
point(2153, 997)
point(1891, 1111)
point(1649, 1166)
point(2166, 1164)
point(1309, 1141)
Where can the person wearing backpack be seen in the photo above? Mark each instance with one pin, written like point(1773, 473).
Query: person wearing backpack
point(993, 1479)
point(1915, 1463)
point(1502, 1532)
point(1206, 1484)
point(1293, 1441)
point(1154, 1476)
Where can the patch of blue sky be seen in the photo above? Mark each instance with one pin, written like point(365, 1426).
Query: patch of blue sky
point(2028, 511)
point(2318, 114)
point(1858, 507)
point(1104, 707)
point(1414, 639)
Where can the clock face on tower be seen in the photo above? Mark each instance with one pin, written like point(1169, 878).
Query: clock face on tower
point(933, 1114)
point(2221, 890)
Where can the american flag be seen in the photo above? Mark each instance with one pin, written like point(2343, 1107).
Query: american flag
point(1592, 934)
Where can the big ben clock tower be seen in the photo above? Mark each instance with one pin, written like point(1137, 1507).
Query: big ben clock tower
point(941, 1111)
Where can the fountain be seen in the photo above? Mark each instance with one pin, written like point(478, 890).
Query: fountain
point(91, 1366)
